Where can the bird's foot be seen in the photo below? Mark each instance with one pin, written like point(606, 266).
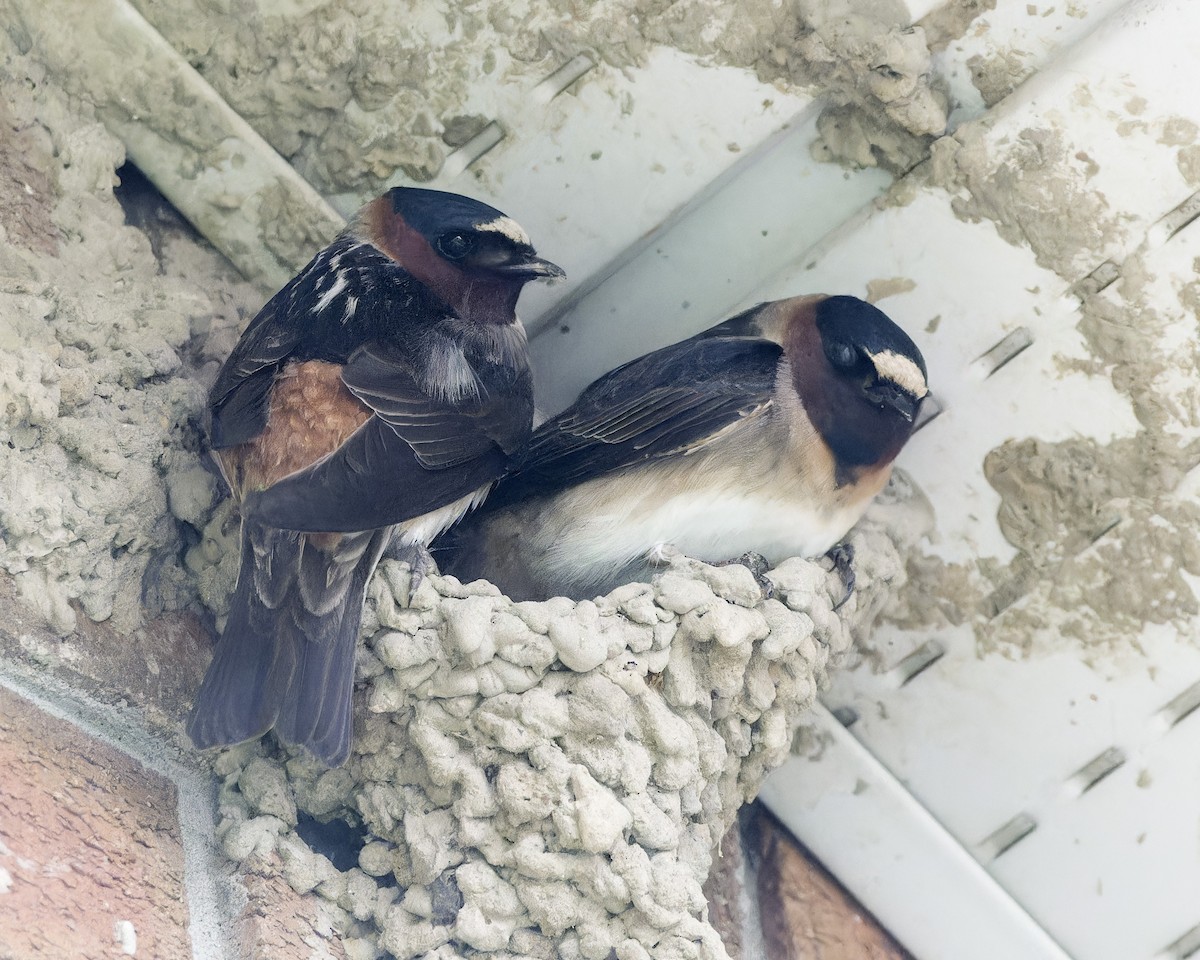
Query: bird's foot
point(420, 561)
point(757, 564)
point(842, 556)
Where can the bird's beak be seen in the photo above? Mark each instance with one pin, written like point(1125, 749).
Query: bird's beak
point(532, 268)
point(889, 395)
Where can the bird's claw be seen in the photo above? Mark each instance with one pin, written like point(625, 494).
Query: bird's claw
point(757, 564)
point(842, 556)
point(420, 562)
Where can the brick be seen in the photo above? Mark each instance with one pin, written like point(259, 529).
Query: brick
point(90, 840)
point(806, 914)
point(156, 667)
point(280, 924)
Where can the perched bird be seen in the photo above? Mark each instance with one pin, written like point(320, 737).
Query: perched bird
point(769, 433)
point(372, 402)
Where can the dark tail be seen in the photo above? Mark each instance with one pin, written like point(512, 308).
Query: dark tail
point(286, 657)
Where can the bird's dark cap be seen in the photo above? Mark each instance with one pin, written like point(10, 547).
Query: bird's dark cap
point(435, 212)
point(867, 327)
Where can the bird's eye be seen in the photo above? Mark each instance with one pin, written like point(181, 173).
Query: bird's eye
point(455, 246)
point(842, 355)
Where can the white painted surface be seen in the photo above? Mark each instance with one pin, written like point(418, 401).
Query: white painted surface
point(982, 738)
point(899, 861)
point(595, 171)
point(775, 205)
point(906, 806)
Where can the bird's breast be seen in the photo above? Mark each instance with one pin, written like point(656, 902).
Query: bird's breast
point(713, 523)
point(735, 502)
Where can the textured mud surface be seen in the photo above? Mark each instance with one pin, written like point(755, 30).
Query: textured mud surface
point(107, 345)
point(1103, 533)
point(351, 93)
point(550, 779)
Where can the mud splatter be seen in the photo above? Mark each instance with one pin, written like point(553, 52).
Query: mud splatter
point(351, 93)
point(105, 351)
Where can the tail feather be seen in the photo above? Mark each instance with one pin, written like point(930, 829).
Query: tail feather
point(270, 563)
point(249, 674)
point(323, 576)
point(286, 657)
point(316, 711)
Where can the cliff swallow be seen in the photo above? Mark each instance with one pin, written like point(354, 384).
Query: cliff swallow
point(769, 433)
point(372, 402)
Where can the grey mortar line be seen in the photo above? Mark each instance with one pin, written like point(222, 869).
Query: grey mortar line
point(214, 898)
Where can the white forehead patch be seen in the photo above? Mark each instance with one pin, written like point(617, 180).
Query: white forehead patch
point(507, 227)
point(901, 371)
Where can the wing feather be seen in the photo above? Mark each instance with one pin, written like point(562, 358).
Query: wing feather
point(668, 403)
point(416, 453)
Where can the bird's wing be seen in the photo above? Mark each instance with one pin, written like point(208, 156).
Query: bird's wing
point(668, 403)
point(443, 429)
point(240, 397)
point(289, 328)
point(417, 452)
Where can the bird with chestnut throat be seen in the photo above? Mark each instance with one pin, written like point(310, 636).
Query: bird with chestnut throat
point(767, 434)
point(372, 402)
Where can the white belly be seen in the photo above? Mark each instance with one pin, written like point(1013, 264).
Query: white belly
point(710, 525)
